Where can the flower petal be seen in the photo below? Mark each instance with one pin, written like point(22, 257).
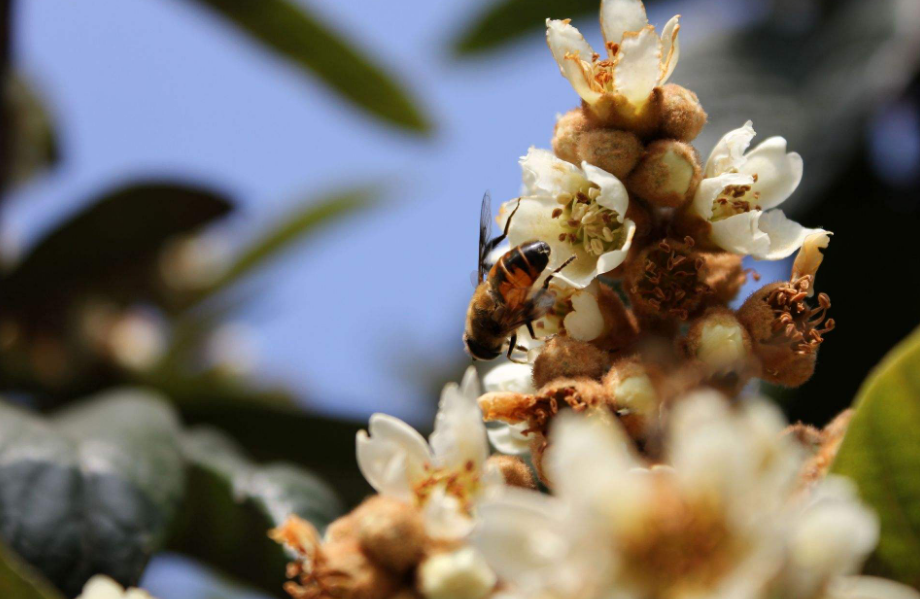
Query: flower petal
point(587, 460)
point(786, 236)
point(444, 516)
point(613, 193)
point(510, 439)
point(638, 65)
point(620, 16)
point(522, 535)
point(810, 257)
point(544, 174)
point(670, 48)
point(778, 173)
point(728, 153)
point(869, 587)
point(585, 322)
point(459, 436)
point(741, 235)
point(711, 188)
point(392, 456)
point(517, 378)
point(610, 260)
point(574, 56)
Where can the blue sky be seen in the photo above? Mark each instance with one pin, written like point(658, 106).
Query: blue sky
point(160, 87)
point(142, 88)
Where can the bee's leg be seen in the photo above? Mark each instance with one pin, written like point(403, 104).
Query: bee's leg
point(511, 345)
point(530, 330)
point(493, 243)
point(556, 271)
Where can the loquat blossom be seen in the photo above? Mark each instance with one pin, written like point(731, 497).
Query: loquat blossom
point(514, 378)
point(724, 518)
point(637, 59)
point(444, 477)
point(103, 587)
point(740, 191)
point(579, 212)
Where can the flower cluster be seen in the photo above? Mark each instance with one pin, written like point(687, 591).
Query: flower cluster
point(664, 481)
point(412, 536)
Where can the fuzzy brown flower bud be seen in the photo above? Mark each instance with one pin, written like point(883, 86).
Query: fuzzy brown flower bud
point(621, 329)
point(345, 571)
point(786, 332)
point(682, 116)
point(391, 533)
point(567, 133)
point(564, 357)
point(612, 150)
point(513, 470)
point(618, 113)
point(724, 274)
point(667, 175)
point(663, 281)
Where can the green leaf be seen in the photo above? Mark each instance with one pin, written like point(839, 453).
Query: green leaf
point(881, 452)
point(232, 503)
point(267, 423)
point(506, 21)
point(293, 228)
point(106, 247)
point(289, 30)
point(34, 145)
point(92, 489)
point(18, 580)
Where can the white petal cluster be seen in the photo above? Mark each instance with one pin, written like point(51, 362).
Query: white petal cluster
point(579, 212)
point(103, 587)
point(723, 518)
point(741, 190)
point(444, 476)
point(637, 59)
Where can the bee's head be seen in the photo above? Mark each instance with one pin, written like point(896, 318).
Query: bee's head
point(480, 351)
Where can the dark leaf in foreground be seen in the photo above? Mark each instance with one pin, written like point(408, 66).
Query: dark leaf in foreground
point(290, 31)
point(92, 489)
point(294, 227)
point(33, 142)
point(232, 503)
point(508, 20)
point(105, 248)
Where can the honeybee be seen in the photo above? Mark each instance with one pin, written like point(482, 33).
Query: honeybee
point(505, 299)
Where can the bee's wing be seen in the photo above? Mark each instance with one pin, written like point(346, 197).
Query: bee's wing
point(475, 278)
point(485, 234)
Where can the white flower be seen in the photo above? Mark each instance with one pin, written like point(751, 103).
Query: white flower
point(637, 59)
point(103, 587)
point(515, 378)
point(579, 212)
point(719, 521)
point(446, 477)
point(739, 190)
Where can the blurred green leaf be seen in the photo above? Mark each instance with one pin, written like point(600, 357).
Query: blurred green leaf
point(506, 21)
point(91, 489)
point(293, 228)
point(232, 503)
point(881, 452)
point(106, 247)
point(34, 144)
point(291, 31)
point(18, 580)
point(269, 426)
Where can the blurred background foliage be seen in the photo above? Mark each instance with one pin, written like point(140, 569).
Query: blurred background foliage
point(157, 276)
